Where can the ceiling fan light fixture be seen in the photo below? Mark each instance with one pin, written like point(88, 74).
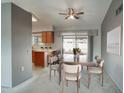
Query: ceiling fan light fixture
point(72, 14)
point(71, 17)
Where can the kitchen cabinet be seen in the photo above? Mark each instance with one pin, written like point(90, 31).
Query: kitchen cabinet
point(38, 58)
point(48, 37)
point(43, 36)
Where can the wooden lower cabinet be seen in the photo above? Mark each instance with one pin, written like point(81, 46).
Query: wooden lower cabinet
point(33, 56)
point(38, 58)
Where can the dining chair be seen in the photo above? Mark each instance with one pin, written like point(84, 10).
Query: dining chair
point(53, 65)
point(72, 72)
point(98, 60)
point(96, 70)
point(59, 55)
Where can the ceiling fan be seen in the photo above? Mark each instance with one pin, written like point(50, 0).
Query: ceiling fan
point(72, 14)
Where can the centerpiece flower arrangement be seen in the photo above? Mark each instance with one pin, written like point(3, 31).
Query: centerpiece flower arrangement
point(76, 51)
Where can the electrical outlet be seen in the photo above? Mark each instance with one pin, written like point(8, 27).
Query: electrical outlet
point(22, 68)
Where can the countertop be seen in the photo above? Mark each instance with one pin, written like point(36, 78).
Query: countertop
point(43, 50)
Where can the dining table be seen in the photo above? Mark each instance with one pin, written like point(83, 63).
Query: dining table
point(87, 64)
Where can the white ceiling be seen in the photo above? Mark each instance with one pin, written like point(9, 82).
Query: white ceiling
point(47, 11)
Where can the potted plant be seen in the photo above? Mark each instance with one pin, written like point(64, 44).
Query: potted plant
point(76, 51)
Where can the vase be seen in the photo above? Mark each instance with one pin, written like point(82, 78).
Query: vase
point(76, 57)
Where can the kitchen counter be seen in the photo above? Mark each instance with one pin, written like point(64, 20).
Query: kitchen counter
point(43, 50)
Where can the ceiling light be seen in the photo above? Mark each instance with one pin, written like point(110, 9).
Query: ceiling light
point(71, 17)
point(34, 18)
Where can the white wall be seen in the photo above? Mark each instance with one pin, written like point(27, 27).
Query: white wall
point(57, 40)
point(21, 45)
point(97, 44)
point(16, 45)
point(113, 63)
point(6, 52)
point(37, 28)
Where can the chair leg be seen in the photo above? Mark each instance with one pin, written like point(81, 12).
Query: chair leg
point(82, 67)
point(67, 83)
point(89, 79)
point(63, 81)
point(50, 75)
point(54, 73)
point(102, 79)
point(87, 67)
point(79, 83)
point(77, 86)
point(99, 77)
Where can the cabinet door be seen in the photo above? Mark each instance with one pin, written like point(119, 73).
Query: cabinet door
point(44, 37)
point(50, 37)
point(39, 59)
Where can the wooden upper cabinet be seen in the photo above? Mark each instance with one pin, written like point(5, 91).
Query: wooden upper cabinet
point(44, 35)
point(48, 37)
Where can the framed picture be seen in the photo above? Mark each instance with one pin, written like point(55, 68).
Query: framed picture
point(114, 41)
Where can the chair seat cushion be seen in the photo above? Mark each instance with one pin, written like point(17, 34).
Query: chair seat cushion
point(54, 67)
point(71, 76)
point(95, 70)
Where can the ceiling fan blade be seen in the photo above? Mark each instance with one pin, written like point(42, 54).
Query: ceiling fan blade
point(73, 12)
point(69, 11)
point(66, 17)
point(76, 17)
point(79, 13)
point(62, 13)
